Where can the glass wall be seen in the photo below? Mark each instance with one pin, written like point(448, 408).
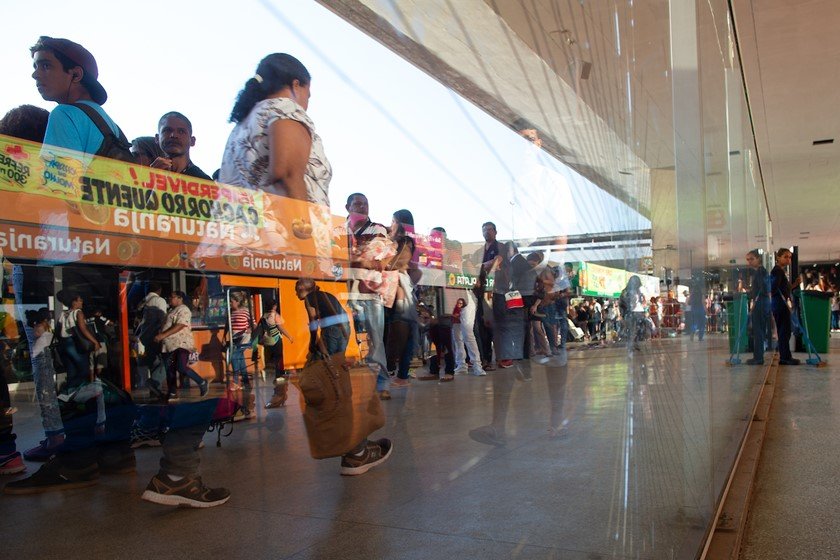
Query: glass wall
point(529, 244)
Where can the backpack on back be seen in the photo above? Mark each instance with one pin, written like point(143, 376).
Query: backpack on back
point(114, 146)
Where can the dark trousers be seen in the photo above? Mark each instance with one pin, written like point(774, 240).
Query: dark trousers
point(483, 335)
point(76, 363)
point(87, 442)
point(7, 435)
point(187, 423)
point(781, 315)
point(441, 336)
point(400, 346)
point(178, 362)
point(758, 316)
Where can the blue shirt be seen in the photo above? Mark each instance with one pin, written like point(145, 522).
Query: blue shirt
point(68, 127)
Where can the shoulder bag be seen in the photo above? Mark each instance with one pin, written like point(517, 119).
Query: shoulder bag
point(340, 407)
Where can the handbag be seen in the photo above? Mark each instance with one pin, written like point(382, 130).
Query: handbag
point(80, 341)
point(513, 300)
point(340, 407)
point(270, 333)
point(58, 363)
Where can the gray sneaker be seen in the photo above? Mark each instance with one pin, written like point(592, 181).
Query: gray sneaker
point(188, 492)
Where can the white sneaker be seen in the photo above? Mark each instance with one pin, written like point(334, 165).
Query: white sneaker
point(542, 359)
point(461, 369)
point(477, 371)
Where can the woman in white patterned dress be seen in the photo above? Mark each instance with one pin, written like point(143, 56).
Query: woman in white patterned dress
point(274, 146)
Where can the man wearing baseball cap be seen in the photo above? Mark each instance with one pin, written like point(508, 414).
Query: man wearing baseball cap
point(66, 72)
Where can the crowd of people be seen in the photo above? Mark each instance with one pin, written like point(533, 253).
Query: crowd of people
point(530, 312)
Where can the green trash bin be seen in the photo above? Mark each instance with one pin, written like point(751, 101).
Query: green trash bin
point(737, 313)
point(816, 318)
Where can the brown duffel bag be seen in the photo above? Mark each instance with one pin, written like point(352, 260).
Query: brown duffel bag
point(340, 407)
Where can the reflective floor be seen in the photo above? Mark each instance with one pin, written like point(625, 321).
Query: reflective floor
point(795, 513)
point(641, 452)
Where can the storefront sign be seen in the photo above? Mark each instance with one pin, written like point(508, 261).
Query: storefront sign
point(465, 280)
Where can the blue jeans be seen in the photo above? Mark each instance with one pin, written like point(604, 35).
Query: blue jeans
point(334, 338)
point(43, 374)
point(237, 362)
point(374, 317)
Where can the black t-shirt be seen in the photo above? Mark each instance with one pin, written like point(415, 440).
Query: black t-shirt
point(779, 286)
point(192, 170)
point(327, 307)
point(329, 313)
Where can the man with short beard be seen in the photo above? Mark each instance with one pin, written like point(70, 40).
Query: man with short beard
point(175, 138)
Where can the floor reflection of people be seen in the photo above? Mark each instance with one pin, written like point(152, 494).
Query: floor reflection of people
point(495, 433)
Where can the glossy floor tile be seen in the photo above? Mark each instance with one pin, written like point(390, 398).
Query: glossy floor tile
point(646, 446)
point(795, 511)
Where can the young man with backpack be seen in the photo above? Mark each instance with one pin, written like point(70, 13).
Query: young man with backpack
point(66, 72)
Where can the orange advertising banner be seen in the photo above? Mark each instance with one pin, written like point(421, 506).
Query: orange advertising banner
point(61, 206)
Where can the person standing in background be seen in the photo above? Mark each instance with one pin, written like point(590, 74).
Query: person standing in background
point(759, 302)
point(781, 304)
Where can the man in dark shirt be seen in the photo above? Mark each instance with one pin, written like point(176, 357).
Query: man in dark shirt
point(175, 138)
point(489, 262)
point(779, 299)
point(759, 303)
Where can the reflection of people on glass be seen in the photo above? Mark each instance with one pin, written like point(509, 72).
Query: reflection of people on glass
point(696, 303)
point(72, 329)
point(542, 199)
point(329, 330)
point(488, 261)
point(43, 374)
point(509, 319)
point(270, 332)
point(759, 305)
point(274, 148)
point(401, 317)
point(153, 310)
point(177, 343)
point(631, 305)
point(370, 250)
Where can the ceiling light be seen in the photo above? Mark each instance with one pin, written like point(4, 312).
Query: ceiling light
point(824, 141)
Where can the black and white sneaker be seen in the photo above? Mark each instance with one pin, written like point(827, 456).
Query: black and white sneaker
point(52, 476)
point(375, 453)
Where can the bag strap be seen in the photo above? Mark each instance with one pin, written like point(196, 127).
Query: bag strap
point(100, 123)
point(318, 342)
point(332, 310)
